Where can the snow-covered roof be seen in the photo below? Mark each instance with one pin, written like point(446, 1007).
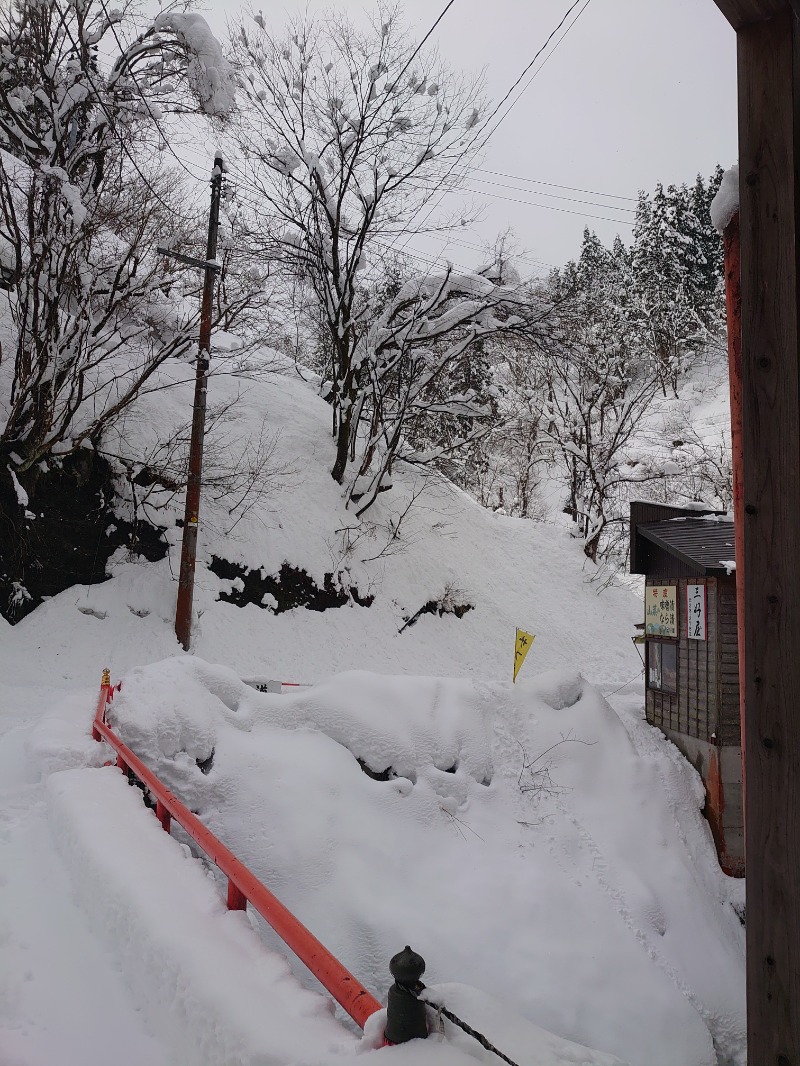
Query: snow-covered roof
point(694, 541)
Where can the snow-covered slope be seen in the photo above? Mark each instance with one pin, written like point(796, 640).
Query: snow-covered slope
point(512, 572)
point(577, 886)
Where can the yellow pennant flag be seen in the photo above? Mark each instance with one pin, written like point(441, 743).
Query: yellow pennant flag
point(521, 649)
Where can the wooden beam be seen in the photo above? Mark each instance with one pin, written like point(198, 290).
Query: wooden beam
point(742, 13)
point(769, 156)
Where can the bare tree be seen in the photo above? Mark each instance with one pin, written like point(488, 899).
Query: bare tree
point(243, 294)
point(345, 138)
point(517, 450)
point(701, 463)
point(596, 401)
point(239, 470)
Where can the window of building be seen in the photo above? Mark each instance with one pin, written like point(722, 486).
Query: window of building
point(662, 666)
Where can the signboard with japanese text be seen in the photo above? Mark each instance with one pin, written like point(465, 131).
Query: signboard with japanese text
point(696, 612)
point(661, 611)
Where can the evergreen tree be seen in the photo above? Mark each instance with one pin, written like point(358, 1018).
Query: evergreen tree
point(669, 264)
point(707, 237)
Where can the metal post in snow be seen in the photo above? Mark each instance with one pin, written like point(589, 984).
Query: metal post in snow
point(405, 1013)
point(183, 610)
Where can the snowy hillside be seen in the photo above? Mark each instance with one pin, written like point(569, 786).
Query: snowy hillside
point(505, 572)
point(545, 853)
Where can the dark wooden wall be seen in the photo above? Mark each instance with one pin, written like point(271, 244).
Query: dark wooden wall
point(657, 562)
point(729, 729)
point(694, 709)
point(706, 705)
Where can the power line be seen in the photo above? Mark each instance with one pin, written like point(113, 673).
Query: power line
point(416, 51)
point(549, 207)
point(528, 67)
point(529, 256)
point(472, 149)
point(432, 259)
point(555, 185)
point(459, 269)
point(251, 201)
point(249, 198)
point(536, 203)
point(428, 260)
point(231, 167)
point(576, 4)
point(554, 196)
point(568, 12)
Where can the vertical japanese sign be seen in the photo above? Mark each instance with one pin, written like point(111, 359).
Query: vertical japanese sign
point(696, 612)
point(661, 611)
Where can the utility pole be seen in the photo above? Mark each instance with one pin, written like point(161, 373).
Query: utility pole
point(183, 610)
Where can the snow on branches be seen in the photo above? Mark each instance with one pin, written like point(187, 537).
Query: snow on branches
point(347, 136)
point(207, 70)
point(413, 360)
point(82, 207)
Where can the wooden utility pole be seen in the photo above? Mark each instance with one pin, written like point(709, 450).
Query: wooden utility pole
point(768, 45)
point(183, 610)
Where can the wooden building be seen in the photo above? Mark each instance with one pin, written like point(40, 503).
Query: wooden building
point(691, 653)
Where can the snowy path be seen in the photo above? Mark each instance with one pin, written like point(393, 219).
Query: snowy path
point(62, 998)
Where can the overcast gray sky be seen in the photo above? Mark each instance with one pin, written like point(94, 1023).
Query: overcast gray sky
point(638, 91)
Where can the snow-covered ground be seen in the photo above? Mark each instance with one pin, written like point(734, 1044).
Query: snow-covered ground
point(571, 899)
point(62, 994)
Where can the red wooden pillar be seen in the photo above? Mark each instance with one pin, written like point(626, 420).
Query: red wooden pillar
point(768, 61)
point(733, 301)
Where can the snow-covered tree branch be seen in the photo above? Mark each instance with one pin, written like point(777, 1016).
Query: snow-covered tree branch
point(346, 137)
point(81, 208)
point(416, 354)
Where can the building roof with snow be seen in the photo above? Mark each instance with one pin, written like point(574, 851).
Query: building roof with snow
point(680, 542)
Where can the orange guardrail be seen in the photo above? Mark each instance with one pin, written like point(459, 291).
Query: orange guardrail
point(243, 886)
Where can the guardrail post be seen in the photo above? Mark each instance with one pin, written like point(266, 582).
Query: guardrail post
point(163, 816)
point(405, 1013)
point(237, 901)
point(102, 701)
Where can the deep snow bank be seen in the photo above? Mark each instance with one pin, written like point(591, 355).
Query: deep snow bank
point(522, 841)
point(195, 968)
point(205, 981)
